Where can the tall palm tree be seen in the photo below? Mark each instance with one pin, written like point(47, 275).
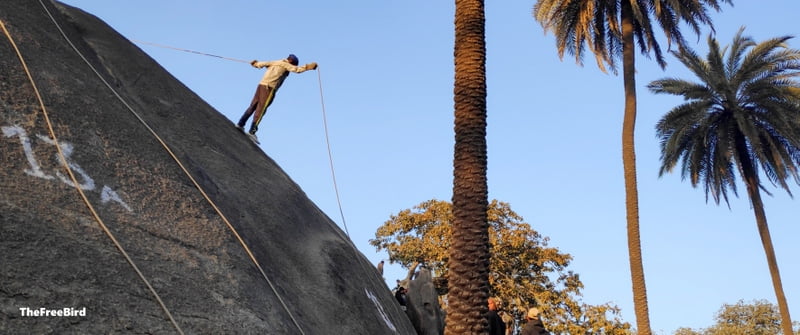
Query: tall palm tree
point(609, 28)
point(468, 280)
point(743, 114)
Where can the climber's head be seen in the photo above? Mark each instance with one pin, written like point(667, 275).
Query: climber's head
point(293, 59)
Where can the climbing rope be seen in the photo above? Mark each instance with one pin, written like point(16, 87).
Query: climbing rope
point(324, 118)
point(330, 156)
point(191, 51)
point(185, 170)
point(80, 191)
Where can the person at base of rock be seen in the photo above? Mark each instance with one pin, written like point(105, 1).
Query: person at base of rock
point(277, 71)
point(496, 324)
point(401, 297)
point(534, 326)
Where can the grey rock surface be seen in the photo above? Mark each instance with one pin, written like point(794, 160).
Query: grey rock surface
point(54, 254)
point(424, 309)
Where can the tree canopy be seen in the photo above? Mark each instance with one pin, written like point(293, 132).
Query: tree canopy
point(523, 271)
point(757, 318)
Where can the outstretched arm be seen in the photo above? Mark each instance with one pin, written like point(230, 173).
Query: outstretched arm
point(286, 65)
point(301, 69)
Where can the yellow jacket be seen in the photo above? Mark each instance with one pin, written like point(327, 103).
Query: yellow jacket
point(277, 71)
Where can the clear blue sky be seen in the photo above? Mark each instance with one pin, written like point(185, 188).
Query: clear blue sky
point(553, 134)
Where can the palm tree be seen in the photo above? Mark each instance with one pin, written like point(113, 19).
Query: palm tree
point(468, 280)
point(743, 114)
point(608, 28)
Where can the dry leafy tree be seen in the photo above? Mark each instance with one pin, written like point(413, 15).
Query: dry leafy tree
point(611, 30)
point(757, 318)
point(743, 115)
point(523, 270)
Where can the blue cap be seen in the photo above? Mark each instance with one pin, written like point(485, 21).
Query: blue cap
point(293, 59)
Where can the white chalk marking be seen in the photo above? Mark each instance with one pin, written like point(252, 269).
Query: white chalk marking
point(66, 149)
point(35, 169)
point(381, 311)
point(106, 193)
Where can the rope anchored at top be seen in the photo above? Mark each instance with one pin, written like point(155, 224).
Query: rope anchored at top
point(190, 51)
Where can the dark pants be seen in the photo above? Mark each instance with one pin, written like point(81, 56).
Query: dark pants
point(261, 100)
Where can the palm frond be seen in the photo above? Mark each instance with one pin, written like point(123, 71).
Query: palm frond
point(595, 24)
point(742, 116)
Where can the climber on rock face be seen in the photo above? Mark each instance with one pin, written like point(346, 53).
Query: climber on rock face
point(277, 71)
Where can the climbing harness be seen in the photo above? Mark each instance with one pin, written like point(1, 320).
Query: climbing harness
point(80, 191)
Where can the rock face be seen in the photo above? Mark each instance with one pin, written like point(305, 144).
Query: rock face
point(424, 310)
point(54, 255)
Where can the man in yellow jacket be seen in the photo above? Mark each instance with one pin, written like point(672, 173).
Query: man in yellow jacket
point(277, 71)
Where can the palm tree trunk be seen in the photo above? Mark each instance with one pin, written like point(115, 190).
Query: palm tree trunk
point(468, 278)
point(629, 168)
point(772, 261)
point(751, 180)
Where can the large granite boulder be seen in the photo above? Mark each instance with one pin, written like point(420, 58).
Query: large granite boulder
point(54, 254)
